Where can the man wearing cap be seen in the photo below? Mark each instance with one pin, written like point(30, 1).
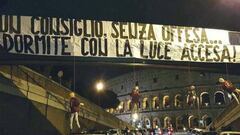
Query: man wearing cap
point(230, 88)
point(74, 108)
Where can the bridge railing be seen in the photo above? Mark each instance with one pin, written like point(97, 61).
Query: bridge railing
point(229, 115)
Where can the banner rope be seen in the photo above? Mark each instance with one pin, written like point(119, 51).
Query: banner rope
point(189, 74)
point(74, 71)
point(226, 67)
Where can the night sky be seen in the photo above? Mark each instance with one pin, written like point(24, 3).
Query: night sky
point(220, 14)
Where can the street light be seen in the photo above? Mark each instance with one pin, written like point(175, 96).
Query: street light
point(120, 107)
point(99, 86)
point(135, 117)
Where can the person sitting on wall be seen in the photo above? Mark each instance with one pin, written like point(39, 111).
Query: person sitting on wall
point(230, 88)
point(74, 108)
point(191, 95)
point(135, 98)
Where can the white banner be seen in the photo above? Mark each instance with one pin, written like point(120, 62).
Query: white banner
point(47, 36)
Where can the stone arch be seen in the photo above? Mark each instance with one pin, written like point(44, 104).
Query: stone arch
point(166, 101)
point(219, 98)
point(121, 107)
point(111, 110)
point(145, 103)
point(156, 122)
point(155, 102)
point(179, 122)
point(206, 120)
point(167, 121)
point(147, 123)
point(205, 99)
point(178, 101)
point(192, 121)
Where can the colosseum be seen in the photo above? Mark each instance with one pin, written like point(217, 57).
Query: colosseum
point(164, 98)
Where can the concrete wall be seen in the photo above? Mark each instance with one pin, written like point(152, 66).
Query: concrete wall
point(23, 117)
point(19, 115)
point(229, 119)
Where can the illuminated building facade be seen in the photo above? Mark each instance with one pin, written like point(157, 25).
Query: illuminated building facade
point(164, 95)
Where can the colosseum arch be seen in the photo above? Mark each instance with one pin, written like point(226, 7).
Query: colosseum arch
point(204, 99)
point(219, 98)
point(147, 123)
point(192, 121)
point(206, 120)
point(121, 107)
point(178, 101)
point(179, 122)
point(155, 102)
point(145, 103)
point(167, 121)
point(156, 122)
point(166, 101)
point(111, 110)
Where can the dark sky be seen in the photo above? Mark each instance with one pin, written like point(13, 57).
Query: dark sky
point(220, 14)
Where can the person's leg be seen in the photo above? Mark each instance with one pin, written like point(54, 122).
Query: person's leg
point(71, 120)
point(235, 97)
point(76, 119)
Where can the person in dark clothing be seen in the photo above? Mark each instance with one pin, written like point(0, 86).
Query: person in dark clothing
point(230, 88)
point(74, 108)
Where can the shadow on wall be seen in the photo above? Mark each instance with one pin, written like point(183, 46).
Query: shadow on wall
point(20, 116)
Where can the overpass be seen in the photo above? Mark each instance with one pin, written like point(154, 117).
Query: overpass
point(34, 104)
point(229, 119)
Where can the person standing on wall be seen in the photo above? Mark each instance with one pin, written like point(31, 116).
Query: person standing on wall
point(74, 108)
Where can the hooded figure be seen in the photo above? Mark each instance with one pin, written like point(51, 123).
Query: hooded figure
point(230, 88)
point(74, 108)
